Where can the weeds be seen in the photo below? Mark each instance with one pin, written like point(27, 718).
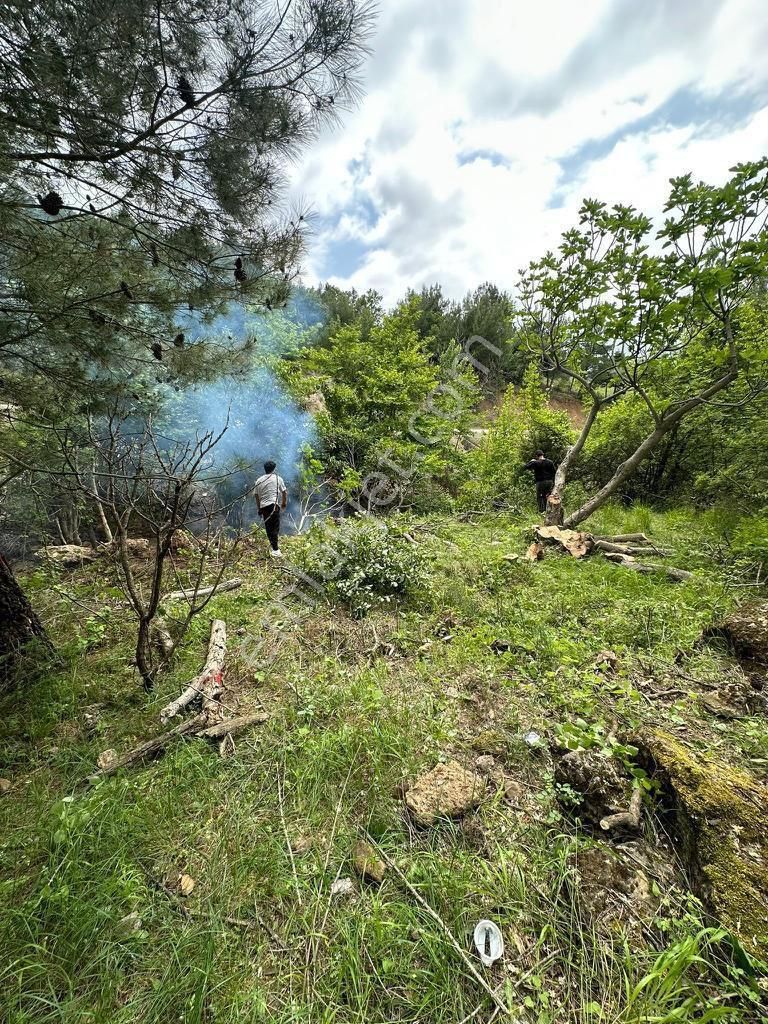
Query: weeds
point(356, 708)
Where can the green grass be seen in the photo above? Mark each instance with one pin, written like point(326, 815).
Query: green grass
point(356, 707)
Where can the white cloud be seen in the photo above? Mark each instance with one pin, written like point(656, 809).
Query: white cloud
point(487, 121)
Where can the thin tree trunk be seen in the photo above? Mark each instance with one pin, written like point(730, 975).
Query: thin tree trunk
point(105, 527)
point(555, 512)
point(19, 624)
point(144, 659)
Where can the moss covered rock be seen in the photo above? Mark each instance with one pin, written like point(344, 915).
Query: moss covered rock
point(721, 817)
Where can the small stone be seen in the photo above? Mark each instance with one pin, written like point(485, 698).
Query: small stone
point(448, 791)
point(106, 759)
point(343, 888)
point(607, 661)
point(186, 884)
point(514, 793)
point(501, 646)
point(367, 864)
point(485, 764)
point(535, 552)
point(5, 786)
point(130, 924)
point(717, 706)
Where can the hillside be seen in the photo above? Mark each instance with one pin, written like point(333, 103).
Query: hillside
point(201, 887)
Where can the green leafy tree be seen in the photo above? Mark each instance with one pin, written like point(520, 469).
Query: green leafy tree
point(612, 312)
point(718, 453)
point(343, 307)
point(143, 145)
point(488, 313)
point(391, 413)
point(437, 319)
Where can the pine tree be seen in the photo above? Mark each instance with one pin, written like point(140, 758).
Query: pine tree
point(142, 148)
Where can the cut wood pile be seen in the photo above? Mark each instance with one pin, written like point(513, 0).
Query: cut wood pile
point(213, 721)
point(623, 549)
point(70, 556)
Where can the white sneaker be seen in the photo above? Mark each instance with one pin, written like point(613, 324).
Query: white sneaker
point(276, 554)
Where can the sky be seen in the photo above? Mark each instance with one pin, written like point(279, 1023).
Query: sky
point(486, 122)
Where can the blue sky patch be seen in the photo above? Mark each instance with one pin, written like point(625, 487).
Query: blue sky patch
point(491, 155)
point(712, 116)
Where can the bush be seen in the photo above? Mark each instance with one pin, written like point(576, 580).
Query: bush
point(364, 563)
point(524, 425)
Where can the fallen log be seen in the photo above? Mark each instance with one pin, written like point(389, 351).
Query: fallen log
point(150, 748)
point(719, 827)
point(192, 595)
point(194, 727)
point(208, 684)
point(602, 544)
point(629, 538)
point(232, 726)
point(628, 562)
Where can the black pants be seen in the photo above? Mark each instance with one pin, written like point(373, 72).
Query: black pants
point(543, 491)
point(271, 516)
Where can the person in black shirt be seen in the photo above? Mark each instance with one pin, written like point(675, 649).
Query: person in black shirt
point(544, 475)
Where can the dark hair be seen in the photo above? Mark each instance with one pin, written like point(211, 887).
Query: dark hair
point(539, 455)
point(269, 466)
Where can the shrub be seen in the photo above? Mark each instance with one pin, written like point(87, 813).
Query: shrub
point(524, 425)
point(364, 563)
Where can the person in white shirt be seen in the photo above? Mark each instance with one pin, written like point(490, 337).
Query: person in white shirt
point(271, 497)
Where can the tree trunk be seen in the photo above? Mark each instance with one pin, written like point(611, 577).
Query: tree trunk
point(555, 510)
point(663, 426)
point(19, 623)
point(105, 527)
point(207, 685)
point(144, 659)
